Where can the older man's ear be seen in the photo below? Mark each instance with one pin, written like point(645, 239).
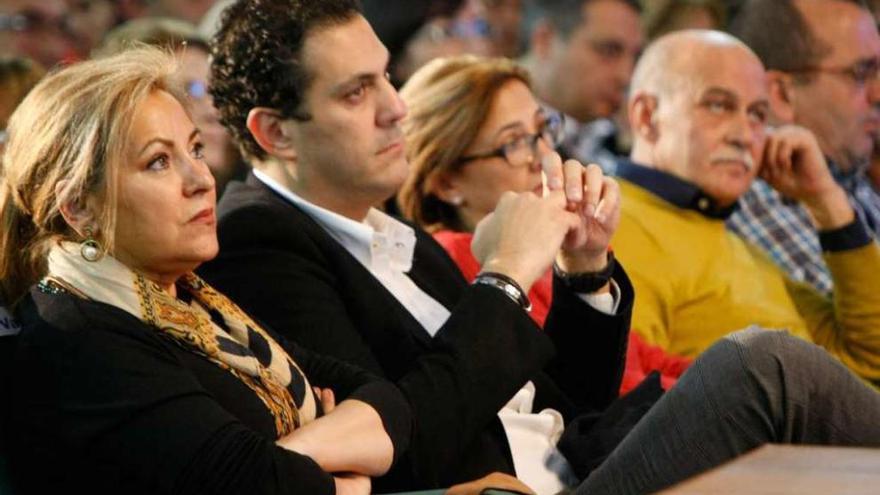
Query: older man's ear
point(267, 127)
point(782, 97)
point(643, 116)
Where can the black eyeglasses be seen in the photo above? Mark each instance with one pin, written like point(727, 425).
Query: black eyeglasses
point(521, 151)
point(860, 72)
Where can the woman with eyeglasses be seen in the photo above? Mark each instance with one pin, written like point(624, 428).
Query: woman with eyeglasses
point(459, 172)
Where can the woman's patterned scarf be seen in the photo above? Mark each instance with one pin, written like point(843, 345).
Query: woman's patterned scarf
point(209, 324)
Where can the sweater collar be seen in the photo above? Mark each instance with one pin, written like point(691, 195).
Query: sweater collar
point(672, 189)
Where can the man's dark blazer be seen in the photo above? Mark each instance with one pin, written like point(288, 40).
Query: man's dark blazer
point(284, 268)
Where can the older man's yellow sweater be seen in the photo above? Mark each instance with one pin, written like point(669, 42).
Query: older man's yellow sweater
point(695, 282)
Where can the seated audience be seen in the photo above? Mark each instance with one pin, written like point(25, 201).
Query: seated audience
point(187, 44)
point(451, 187)
point(131, 374)
point(304, 90)
point(303, 249)
point(822, 75)
point(698, 110)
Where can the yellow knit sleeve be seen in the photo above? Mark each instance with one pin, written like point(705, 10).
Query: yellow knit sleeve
point(848, 324)
point(641, 256)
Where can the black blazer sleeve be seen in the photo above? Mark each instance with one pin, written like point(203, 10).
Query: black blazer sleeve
point(351, 382)
point(590, 346)
point(281, 268)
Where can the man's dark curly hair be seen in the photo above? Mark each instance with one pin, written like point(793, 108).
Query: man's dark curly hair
point(256, 59)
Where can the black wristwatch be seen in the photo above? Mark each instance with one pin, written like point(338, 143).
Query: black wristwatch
point(586, 282)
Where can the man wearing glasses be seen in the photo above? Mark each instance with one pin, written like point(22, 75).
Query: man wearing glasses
point(822, 62)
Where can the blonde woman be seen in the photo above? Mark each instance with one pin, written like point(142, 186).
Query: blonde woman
point(131, 375)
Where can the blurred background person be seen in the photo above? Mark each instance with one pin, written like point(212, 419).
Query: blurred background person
point(663, 16)
point(37, 29)
point(17, 76)
point(505, 19)
point(442, 37)
point(581, 57)
point(54, 31)
point(89, 21)
point(193, 51)
point(191, 11)
point(477, 27)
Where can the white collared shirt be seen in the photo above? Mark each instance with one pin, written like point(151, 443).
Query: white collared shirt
point(385, 247)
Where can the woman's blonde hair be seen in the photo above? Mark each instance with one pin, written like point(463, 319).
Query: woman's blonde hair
point(74, 126)
point(448, 99)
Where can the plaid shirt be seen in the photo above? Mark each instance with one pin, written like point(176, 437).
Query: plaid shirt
point(783, 227)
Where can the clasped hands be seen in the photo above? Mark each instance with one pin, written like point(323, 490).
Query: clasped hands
point(571, 224)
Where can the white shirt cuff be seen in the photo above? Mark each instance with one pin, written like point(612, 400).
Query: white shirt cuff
point(605, 302)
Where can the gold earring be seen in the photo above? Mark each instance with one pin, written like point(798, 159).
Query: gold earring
point(89, 248)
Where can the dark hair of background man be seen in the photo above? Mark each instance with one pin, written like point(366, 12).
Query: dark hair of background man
point(565, 15)
point(777, 32)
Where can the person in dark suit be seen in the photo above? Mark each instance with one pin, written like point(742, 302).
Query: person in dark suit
point(130, 373)
point(302, 247)
point(307, 97)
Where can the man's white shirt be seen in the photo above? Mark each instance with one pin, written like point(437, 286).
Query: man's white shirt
point(385, 246)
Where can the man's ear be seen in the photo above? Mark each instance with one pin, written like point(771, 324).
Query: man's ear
point(542, 38)
point(445, 186)
point(643, 116)
point(79, 213)
point(267, 127)
point(780, 87)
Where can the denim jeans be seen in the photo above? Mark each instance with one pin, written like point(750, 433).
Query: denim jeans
point(748, 389)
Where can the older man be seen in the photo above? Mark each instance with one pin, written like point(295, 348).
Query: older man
point(698, 110)
point(822, 58)
point(581, 56)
